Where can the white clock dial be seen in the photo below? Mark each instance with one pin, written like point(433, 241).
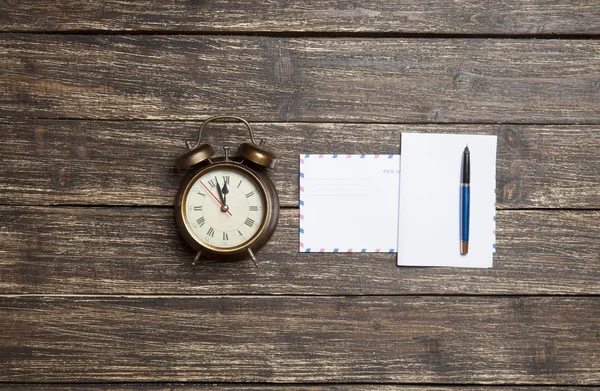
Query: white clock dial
point(225, 208)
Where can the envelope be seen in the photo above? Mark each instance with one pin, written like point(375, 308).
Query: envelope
point(429, 204)
point(349, 203)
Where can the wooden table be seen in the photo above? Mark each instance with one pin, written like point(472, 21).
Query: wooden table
point(96, 285)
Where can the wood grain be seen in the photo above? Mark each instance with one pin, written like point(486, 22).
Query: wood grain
point(99, 287)
point(132, 162)
point(402, 16)
point(139, 251)
point(301, 339)
point(311, 79)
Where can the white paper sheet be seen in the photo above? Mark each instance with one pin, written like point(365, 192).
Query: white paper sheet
point(349, 203)
point(429, 205)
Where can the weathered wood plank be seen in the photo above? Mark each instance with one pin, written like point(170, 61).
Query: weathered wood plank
point(287, 387)
point(282, 79)
point(132, 162)
point(404, 16)
point(139, 251)
point(302, 339)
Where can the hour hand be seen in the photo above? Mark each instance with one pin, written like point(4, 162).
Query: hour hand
point(219, 191)
point(224, 191)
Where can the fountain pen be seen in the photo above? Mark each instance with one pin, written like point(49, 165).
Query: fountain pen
point(465, 202)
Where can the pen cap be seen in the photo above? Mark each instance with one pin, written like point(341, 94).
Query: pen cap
point(466, 166)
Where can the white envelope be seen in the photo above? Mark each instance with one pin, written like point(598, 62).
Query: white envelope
point(429, 211)
point(349, 203)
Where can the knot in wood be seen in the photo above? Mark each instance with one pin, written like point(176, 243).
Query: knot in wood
point(283, 69)
point(437, 115)
point(541, 356)
point(433, 346)
point(462, 81)
point(34, 241)
point(38, 136)
point(510, 190)
point(512, 137)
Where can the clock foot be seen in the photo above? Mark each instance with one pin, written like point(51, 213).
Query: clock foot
point(197, 257)
point(252, 257)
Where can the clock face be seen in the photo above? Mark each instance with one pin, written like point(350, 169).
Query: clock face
point(224, 208)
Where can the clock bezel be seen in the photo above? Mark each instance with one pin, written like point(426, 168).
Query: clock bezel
point(260, 237)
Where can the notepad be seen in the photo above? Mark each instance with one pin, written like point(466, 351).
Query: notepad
point(348, 203)
point(429, 200)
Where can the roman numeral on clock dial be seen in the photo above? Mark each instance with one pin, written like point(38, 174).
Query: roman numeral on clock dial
point(211, 232)
point(249, 222)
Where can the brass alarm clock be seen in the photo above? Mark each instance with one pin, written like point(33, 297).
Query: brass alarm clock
point(227, 208)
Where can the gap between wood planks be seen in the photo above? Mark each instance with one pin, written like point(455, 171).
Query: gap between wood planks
point(290, 295)
point(149, 206)
point(298, 121)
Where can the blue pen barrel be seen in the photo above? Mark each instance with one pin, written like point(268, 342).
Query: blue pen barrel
point(464, 213)
point(464, 201)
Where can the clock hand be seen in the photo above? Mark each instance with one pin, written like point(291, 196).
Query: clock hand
point(225, 191)
point(220, 191)
point(222, 195)
point(224, 208)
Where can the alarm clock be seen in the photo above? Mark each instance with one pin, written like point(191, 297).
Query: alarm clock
point(227, 208)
